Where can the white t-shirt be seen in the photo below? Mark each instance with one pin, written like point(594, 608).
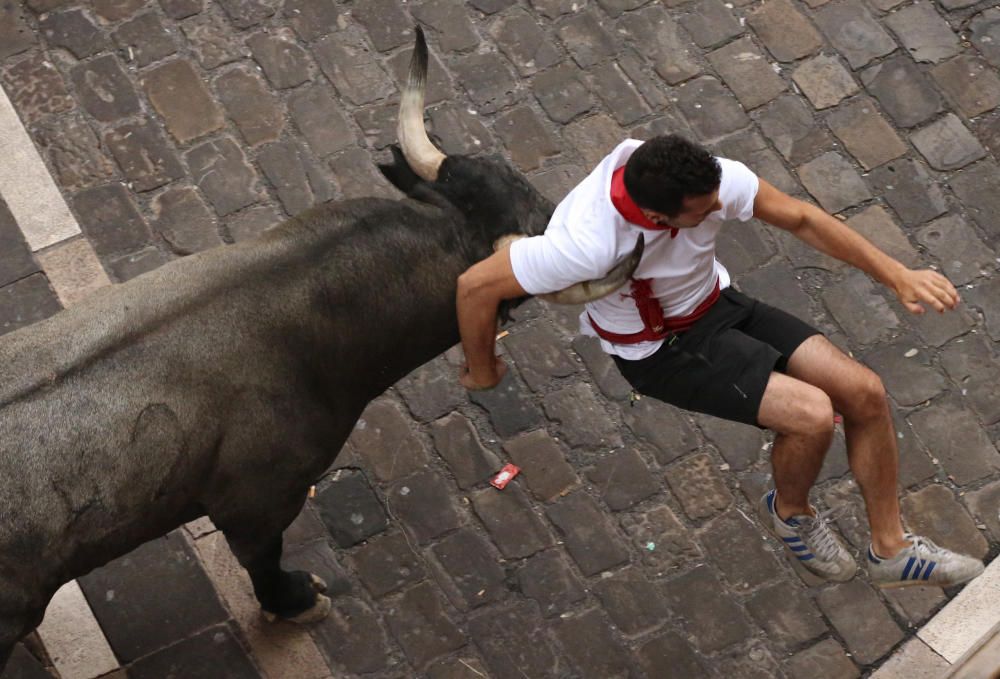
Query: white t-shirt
point(587, 236)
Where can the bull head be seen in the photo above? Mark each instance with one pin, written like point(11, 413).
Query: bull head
point(425, 160)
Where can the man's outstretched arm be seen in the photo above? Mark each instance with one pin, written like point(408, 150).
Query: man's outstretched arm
point(480, 290)
point(832, 237)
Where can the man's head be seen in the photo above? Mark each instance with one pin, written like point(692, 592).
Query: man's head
point(674, 181)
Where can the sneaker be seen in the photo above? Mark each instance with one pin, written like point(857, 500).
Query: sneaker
point(810, 540)
point(922, 563)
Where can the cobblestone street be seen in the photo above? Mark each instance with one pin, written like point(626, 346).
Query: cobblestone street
point(629, 545)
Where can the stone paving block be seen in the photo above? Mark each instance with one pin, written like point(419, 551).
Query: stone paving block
point(222, 172)
point(423, 502)
point(954, 243)
point(582, 418)
point(312, 20)
point(696, 482)
point(947, 144)
point(494, 6)
point(866, 134)
point(178, 94)
point(601, 368)
point(548, 580)
point(623, 479)
point(521, 40)
point(983, 505)
point(909, 379)
point(386, 442)
point(212, 41)
point(915, 604)
point(970, 83)
point(789, 124)
point(386, 22)
point(36, 89)
point(284, 62)
point(710, 108)
point(183, 220)
point(72, 268)
point(15, 34)
point(738, 549)
point(352, 67)
point(971, 363)
point(42, 6)
point(591, 138)
point(924, 34)
point(320, 120)
point(935, 513)
point(938, 329)
point(26, 301)
point(633, 602)
point(853, 32)
point(739, 444)
point(247, 13)
point(711, 23)
point(616, 7)
point(861, 620)
point(378, 124)
point(662, 426)
point(802, 256)
point(252, 222)
point(903, 90)
point(387, 563)
point(786, 614)
point(589, 537)
point(351, 637)
point(914, 659)
point(22, 664)
point(875, 224)
point(833, 182)
point(824, 81)
point(778, 286)
point(615, 89)
point(590, 646)
point(556, 181)
point(539, 355)
point(473, 570)
point(525, 138)
point(104, 89)
point(459, 130)
point(138, 618)
point(455, 32)
point(859, 309)
point(508, 406)
point(512, 523)
point(825, 659)
point(419, 623)
point(664, 44)
point(750, 147)
point(110, 220)
point(145, 39)
point(987, 130)
point(199, 657)
point(144, 155)
point(431, 391)
point(250, 104)
point(753, 663)
point(714, 620)
point(561, 93)
point(298, 179)
point(350, 509)
point(910, 191)
point(978, 191)
point(16, 261)
point(126, 267)
point(357, 176)
point(786, 33)
point(175, 9)
point(747, 73)
point(73, 30)
point(490, 84)
point(669, 656)
point(457, 442)
point(953, 435)
point(660, 539)
point(646, 82)
point(465, 667)
point(586, 39)
point(513, 643)
point(985, 28)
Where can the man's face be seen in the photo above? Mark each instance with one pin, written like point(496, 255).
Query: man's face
point(693, 212)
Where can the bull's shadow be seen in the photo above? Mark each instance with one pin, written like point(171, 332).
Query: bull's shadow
point(224, 384)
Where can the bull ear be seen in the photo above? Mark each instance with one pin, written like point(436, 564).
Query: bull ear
point(399, 173)
point(588, 291)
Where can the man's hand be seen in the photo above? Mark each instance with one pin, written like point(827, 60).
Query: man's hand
point(930, 287)
point(484, 381)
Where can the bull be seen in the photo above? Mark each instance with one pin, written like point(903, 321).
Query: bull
point(225, 383)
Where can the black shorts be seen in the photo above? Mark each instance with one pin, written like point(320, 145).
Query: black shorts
point(722, 364)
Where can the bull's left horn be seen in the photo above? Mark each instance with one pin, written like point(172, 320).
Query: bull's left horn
point(588, 291)
point(421, 155)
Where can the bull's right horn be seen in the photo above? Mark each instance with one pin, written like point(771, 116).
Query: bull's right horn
point(421, 155)
point(588, 291)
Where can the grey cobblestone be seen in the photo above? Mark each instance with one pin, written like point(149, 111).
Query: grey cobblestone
point(513, 643)
point(747, 73)
point(903, 90)
point(951, 434)
point(970, 83)
point(714, 620)
point(697, 484)
point(591, 647)
point(522, 41)
point(935, 513)
point(824, 81)
point(74, 31)
point(909, 190)
point(866, 134)
point(786, 32)
point(833, 182)
point(923, 33)
point(512, 524)
point(667, 47)
point(589, 536)
point(145, 39)
point(853, 32)
point(284, 62)
point(547, 579)
point(36, 88)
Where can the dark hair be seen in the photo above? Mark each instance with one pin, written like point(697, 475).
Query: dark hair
point(665, 169)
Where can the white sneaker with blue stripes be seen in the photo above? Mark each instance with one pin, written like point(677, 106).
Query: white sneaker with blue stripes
point(810, 541)
point(922, 563)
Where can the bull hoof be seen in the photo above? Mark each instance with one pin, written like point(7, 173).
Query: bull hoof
point(317, 612)
point(317, 582)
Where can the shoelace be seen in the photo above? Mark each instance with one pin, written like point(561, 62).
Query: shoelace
point(923, 549)
point(821, 538)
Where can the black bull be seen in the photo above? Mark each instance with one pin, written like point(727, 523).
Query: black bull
point(224, 384)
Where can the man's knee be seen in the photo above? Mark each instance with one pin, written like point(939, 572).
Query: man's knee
point(867, 398)
point(816, 415)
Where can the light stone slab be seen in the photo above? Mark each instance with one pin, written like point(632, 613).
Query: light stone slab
point(73, 638)
point(967, 617)
point(915, 660)
point(27, 187)
point(73, 270)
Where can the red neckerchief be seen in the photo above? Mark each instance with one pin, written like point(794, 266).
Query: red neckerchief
point(627, 207)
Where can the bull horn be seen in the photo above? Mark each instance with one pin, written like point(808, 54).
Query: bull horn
point(421, 155)
point(588, 291)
